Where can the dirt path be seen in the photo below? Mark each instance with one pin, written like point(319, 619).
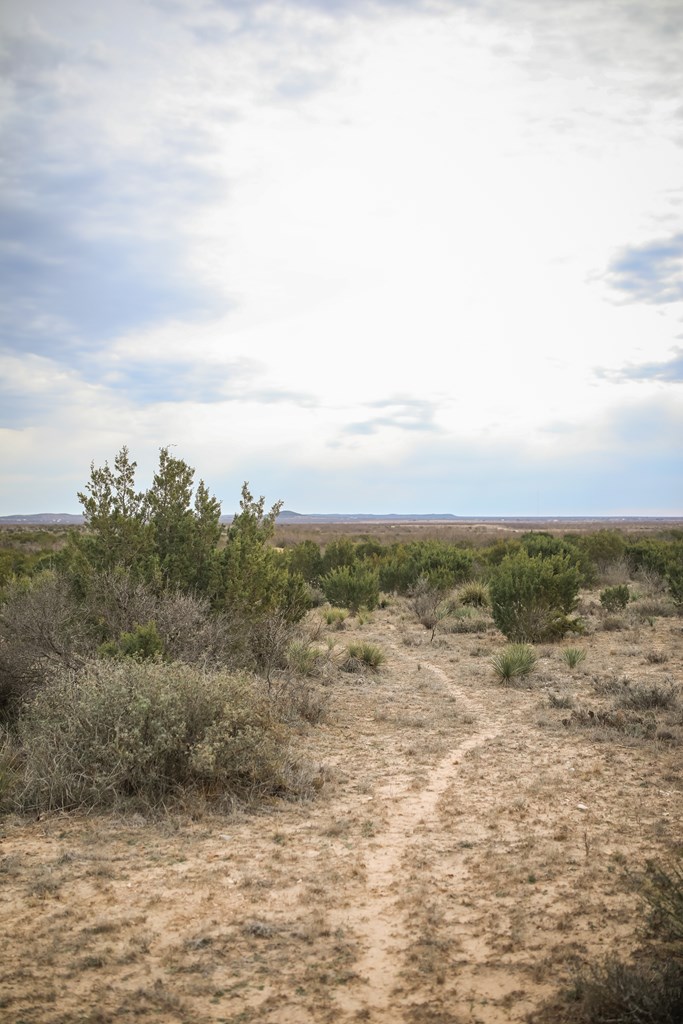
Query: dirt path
point(466, 850)
point(379, 922)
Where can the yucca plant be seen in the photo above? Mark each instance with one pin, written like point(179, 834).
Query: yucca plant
point(335, 617)
point(514, 661)
point(573, 656)
point(474, 594)
point(363, 655)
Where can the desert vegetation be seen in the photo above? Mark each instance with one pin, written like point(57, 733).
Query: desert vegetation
point(250, 774)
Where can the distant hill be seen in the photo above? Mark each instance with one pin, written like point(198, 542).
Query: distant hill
point(288, 517)
point(42, 519)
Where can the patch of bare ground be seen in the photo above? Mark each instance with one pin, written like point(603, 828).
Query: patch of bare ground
point(467, 848)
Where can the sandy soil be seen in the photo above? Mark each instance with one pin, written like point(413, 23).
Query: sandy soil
point(466, 850)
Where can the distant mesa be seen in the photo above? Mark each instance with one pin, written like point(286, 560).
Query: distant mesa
point(288, 518)
point(42, 519)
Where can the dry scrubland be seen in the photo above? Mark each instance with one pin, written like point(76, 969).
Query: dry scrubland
point(461, 848)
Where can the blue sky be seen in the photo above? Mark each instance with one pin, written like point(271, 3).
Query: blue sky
point(389, 256)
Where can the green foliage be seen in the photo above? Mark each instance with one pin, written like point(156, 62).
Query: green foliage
point(516, 660)
point(545, 545)
point(306, 560)
point(363, 655)
point(158, 536)
point(442, 565)
point(674, 579)
point(117, 531)
point(142, 643)
point(532, 597)
point(146, 732)
point(615, 599)
point(250, 581)
point(573, 656)
point(184, 534)
point(338, 553)
point(603, 548)
point(352, 587)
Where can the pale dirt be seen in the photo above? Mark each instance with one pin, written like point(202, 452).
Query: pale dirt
point(466, 851)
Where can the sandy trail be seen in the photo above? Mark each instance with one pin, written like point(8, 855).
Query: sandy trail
point(379, 922)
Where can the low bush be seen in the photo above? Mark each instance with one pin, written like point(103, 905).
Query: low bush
point(642, 696)
point(41, 632)
point(352, 587)
point(623, 993)
point(639, 726)
point(146, 732)
point(615, 599)
point(429, 605)
point(517, 660)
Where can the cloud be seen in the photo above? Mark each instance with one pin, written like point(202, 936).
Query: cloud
point(401, 414)
point(650, 273)
point(666, 371)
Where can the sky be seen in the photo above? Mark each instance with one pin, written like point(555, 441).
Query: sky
point(369, 255)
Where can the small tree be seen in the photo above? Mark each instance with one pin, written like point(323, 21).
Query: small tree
point(250, 581)
point(158, 535)
point(532, 597)
point(117, 532)
point(185, 537)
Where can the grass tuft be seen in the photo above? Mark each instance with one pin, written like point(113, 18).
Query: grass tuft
point(573, 656)
point(517, 660)
point(360, 656)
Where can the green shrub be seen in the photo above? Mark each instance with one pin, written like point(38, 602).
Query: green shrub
point(146, 732)
point(615, 599)
point(306, 559)
point(363, 655)
point(573, 656)
point(142, 643)
point(674, 579)
point(341, 552)
point(514, 661)
point(531, 597)
point(352, 587)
